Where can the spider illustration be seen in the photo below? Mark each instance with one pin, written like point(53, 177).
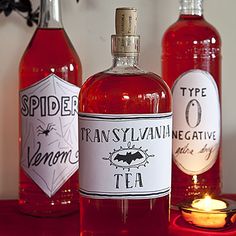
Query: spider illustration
point(49, 128)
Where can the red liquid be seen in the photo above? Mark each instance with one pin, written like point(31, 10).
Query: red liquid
point(192, 43)
point(49, 51)
point(103, 93)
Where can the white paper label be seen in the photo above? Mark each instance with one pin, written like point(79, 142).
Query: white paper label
point(196, 122)
point(125, 156)
point(49, 148)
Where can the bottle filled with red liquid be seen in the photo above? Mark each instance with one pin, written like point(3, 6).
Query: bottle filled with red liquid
point(191, 66)
point(125, 124)
point(50, 77)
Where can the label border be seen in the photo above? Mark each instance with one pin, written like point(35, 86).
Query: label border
point(152, 194)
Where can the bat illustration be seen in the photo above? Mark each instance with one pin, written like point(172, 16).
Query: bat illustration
point(128, 158)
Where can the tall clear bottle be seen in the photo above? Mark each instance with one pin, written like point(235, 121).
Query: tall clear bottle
point(50, 77)
point(191, 66)
point(125, 143)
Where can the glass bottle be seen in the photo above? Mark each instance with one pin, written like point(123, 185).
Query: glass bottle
point(125, 143)
point(50, 77)
point(191, 66)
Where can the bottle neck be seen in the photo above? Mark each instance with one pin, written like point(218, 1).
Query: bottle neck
point(191, 7)
point(125, 52)
point(50, 14)
point(125, 65)
point(125, 61)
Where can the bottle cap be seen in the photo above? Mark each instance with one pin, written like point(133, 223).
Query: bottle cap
point(191, 7)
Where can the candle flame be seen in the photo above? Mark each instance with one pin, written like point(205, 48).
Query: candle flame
point(208, 203)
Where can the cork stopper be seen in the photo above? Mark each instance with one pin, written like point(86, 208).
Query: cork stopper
point(126, 41)
point(126, 21)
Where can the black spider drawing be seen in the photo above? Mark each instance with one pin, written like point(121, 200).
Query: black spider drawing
point(49, 128)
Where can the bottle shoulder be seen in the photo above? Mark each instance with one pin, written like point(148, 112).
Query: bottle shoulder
point(192, 29)
point(50, 44)
point(125, 94)
point(145, 82)
point(49, 51)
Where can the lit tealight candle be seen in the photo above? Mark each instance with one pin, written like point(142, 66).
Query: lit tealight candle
point(209, 213)
point(206, 212)
point(208, 204)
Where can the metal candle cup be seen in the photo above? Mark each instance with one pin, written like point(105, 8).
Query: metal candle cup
point(209, 213)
